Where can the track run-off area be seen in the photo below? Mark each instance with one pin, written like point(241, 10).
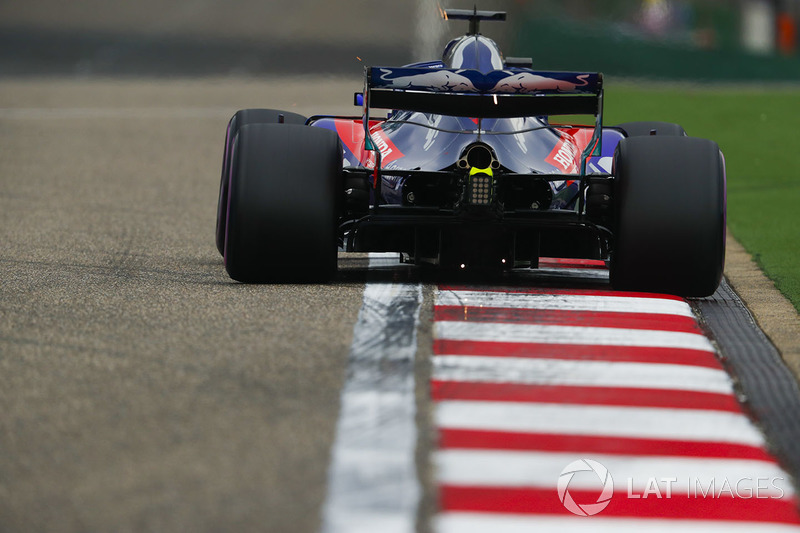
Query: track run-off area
point(142, 389)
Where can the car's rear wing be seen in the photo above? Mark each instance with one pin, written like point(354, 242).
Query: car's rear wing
point(505, 93)
point(497, 94)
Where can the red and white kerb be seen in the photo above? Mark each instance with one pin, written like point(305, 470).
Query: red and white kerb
point(528, 381)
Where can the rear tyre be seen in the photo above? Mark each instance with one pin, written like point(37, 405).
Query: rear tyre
point(639, 129)
point(283, 204)
point(670, 215)
point(242, 118)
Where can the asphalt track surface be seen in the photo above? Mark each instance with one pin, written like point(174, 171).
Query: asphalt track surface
point(142, 389)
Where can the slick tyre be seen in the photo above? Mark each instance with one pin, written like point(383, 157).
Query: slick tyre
point(242, 118)
point(639, 129)
point(669, 215)
point(283, 204)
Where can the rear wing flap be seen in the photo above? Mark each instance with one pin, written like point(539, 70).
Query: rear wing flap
point(497, 94)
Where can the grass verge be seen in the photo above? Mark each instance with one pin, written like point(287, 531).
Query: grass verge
point(755, 128)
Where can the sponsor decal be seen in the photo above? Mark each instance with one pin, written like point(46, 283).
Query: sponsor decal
point(437, 80)
point(529, 82)
point(389, 152)
point(352, 135)
point(471, 81)
point(564, 155)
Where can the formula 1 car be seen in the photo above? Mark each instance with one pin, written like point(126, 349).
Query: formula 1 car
point(472, 170)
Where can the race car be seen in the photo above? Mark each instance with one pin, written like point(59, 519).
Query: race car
point(478, 167)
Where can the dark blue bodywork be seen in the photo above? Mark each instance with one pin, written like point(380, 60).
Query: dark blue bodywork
point(421, 177)
point(436, 142)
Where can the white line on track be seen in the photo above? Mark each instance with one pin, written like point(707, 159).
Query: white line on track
point(608, 421)
point(372, 480)
point(565, 302)
point(534, 333)
point(551, 372)
point(464, 522)
point(494, 468)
